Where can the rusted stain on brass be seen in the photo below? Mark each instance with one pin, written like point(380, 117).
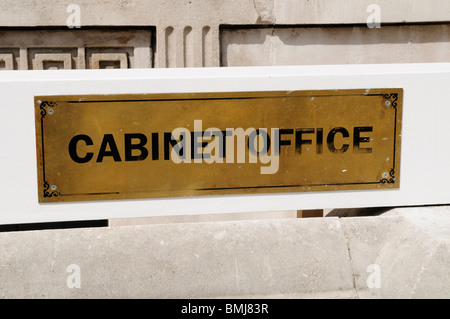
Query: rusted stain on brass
point(103, 147)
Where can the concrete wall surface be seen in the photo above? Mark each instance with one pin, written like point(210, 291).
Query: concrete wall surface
point(187, 33)
point(403, 253)
point(191, 12)
point(335, 45)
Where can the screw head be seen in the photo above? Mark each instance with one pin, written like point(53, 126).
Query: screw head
point(388, 103)
point(50, 111)
point(385, 175)
point(53, 187)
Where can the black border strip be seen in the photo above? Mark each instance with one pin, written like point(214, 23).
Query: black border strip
point(212, 99)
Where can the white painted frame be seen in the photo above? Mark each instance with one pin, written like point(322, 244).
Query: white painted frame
point(425, 149)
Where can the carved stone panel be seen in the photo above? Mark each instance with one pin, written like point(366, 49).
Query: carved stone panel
point(6, 61)
point(109, 61)
point(41, 49)
point(105, 58)
point(9, 58)
point(52, 59)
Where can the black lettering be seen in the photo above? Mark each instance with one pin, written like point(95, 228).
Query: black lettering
point(73, 148)
point(155, 146)
point(357, 140)
point(224, 145)
point(129, 147)
point(195, 144)
point(330, 140)
point(220, 136)
point(284, 142)
point(169, 141)
point(108, 140)
point(319, 140)
point(299, 141)
point(251, 142)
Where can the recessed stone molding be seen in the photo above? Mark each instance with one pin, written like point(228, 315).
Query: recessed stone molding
point(109, 61)
point(316, 45)
point(40, 49)
point(6, 61)
point(53, 61)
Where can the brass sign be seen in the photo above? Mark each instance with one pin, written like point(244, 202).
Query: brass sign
point(102, 147)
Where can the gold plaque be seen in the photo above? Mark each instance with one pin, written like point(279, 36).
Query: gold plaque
point(102, 147)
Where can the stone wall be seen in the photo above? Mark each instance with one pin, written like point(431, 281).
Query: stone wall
point(403, 254)
point(46, 49)
point(302, 45)
point(199, 33)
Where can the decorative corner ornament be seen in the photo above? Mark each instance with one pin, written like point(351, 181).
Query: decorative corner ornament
point(43, 105)
point(50, 192)
point(391, 99)
point(388, 179)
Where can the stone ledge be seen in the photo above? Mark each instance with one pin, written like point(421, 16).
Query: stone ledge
point(409, 246)
point(198, 260)
point(288, 258)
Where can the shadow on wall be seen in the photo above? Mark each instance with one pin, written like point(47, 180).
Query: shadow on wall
point(53, 225)
point(362, 35)
point(356, 212)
